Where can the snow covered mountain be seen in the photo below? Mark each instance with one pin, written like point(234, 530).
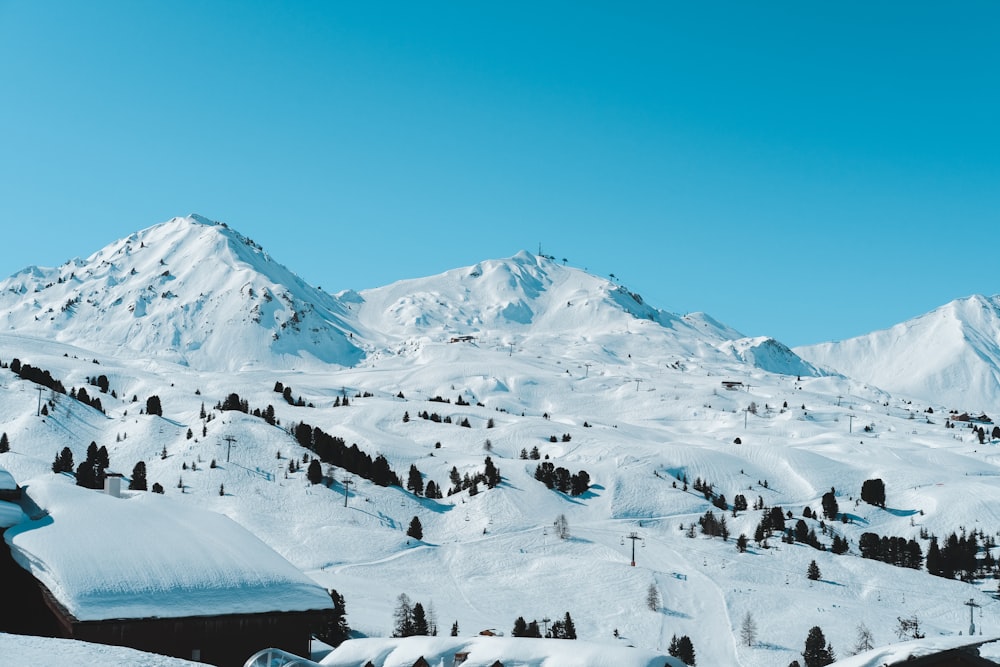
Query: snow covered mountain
point(949, 357)
point(517, 358)
point(182, 291)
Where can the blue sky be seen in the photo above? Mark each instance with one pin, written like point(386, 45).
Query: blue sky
point(810, 171)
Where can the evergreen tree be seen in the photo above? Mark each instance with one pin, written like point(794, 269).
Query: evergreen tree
point(4, 443)
point(818, 652)
point(153, 406)
point(420, 626)
point(873, 492)
point(741, 543)
point(138, 482)
point(416, 531)
point(492, 474)
point(569, 630)
point(336, 630)
point(830, 507)
point(415, 481)
point(454, 629)
point(520, 627)
point(157, 487)
point(813, 572)
point(315, 472)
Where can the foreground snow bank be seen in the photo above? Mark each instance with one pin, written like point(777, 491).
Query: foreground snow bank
point(484, 651)
point(48, 652)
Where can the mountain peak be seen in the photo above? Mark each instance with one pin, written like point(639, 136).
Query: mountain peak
point(193, 290)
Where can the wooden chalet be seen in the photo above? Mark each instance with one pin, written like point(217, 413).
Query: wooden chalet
point(155, 575)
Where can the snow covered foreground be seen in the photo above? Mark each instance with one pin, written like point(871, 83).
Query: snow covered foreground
point(554, 352)
point(47, 652)
point(485, 651)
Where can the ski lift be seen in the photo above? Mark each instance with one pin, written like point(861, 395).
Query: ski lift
point(622, 542)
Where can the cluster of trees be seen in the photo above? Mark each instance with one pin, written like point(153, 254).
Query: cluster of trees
point(956, 557)
point(415, 484)
point(533, 455)
point(561, 629)
point(561, 479)
point(36, 375)
point(85, 398)
point(63, 461)
point(714, 527)
point(333, 450)
point(286, 393)
point(101, 382)
point(438, 419)
point(683, 649)
point(490, 476)
point(91, 473)
point(411, 619)
point(896, 551)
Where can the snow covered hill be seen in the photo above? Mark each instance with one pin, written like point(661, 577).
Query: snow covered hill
point(546, 358)
point(182, 291)
point(949, 356)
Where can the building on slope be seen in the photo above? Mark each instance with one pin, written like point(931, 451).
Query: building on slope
point(158, 575)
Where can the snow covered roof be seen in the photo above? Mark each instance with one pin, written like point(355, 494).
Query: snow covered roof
point(7, 482)
point(149, 556)
point(484, 651)
point(909, 650)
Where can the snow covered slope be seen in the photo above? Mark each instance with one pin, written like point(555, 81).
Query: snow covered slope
point(550, 359)
point(949, 356)
point(188, 291)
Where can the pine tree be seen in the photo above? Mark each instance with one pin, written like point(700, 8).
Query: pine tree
point(420, 626)
point(813, 572)
point(454, 629)
point(138, 482)
point(222, 489)
point(4, 444)
point(520, 627)
point(335, 630)
point(416, 531)
point(818, 652)
point(315, 472)
point(569, 630)
point(415, 481)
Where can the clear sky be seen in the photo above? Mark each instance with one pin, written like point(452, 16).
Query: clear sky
point(805, 170)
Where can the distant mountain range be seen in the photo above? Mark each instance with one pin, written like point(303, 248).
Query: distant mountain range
point(949, 357)
point(544, 369)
